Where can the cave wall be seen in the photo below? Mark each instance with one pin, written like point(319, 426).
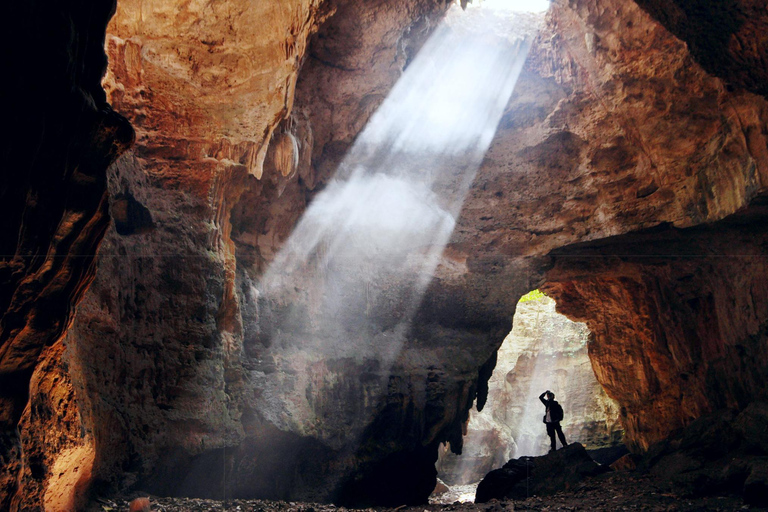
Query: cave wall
point(154, 352)
point(614, 128)
point(678, 318)
point(158, 354)
point(727, 38)
point(61, 135)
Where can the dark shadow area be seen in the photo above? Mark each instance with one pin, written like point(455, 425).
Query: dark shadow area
point(722, 36)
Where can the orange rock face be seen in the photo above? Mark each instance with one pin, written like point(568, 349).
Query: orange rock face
point(615, 128)
point(668, 345)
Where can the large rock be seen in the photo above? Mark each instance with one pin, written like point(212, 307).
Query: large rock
point(521, 478)
point(714, 454)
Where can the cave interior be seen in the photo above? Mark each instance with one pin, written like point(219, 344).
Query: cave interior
point(186, 307)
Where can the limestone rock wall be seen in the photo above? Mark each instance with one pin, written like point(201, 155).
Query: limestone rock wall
point(154, 352)
point(616, 128)
point(158, 355)
point(606, 134)
point(726, 38)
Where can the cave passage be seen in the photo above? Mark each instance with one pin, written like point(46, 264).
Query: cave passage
point(344, 288)
point(545, 350)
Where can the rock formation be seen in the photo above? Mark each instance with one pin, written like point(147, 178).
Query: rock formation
point(530, 476)
point(545, 350)
point(201, 205)
point(627, 179)
point(721, 452)
point(60, 136)
point(683, 353)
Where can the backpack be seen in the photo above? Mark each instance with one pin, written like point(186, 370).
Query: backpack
point(555, 411)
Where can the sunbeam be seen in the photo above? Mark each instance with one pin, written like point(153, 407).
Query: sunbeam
point(348, 280)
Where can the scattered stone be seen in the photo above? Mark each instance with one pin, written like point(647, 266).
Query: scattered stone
point(440, 488)
point(626, 463)
point(609, 454)
point(140, 505)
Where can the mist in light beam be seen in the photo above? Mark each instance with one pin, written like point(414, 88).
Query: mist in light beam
point(349, 279)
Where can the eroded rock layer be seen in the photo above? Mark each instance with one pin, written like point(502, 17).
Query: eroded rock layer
point(667, 343)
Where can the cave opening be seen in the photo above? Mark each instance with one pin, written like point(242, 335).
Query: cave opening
point(545, 350)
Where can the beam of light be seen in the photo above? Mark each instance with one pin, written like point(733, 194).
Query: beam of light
point(347, 282)
point(527, 6)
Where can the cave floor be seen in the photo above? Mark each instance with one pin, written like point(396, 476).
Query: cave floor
point(614, 491)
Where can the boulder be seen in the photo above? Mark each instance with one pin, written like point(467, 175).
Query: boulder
point(527, 476)
point(626, 463)
point(440, 488)
point(756, 486)
point(750, 424)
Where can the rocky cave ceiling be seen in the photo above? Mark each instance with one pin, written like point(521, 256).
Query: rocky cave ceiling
point(627, 180)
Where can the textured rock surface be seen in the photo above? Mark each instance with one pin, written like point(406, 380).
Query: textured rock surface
point(666, 342)
point(168, 314)
point(60, 137)
point(155, 350)
point(605, 145)
point(720, 452)
point(726, 38)
point(545, 350)
point(528, 476)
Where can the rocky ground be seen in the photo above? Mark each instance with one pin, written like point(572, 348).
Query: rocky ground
point(616, 491)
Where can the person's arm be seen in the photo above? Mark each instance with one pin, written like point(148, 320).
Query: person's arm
point(541, 397)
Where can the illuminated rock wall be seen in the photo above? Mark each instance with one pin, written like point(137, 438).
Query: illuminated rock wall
point(544, 351)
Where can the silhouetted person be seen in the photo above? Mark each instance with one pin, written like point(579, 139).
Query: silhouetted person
point(552, 419)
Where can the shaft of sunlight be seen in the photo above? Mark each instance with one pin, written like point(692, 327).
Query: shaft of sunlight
point(349, 278)
point(527, 6)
